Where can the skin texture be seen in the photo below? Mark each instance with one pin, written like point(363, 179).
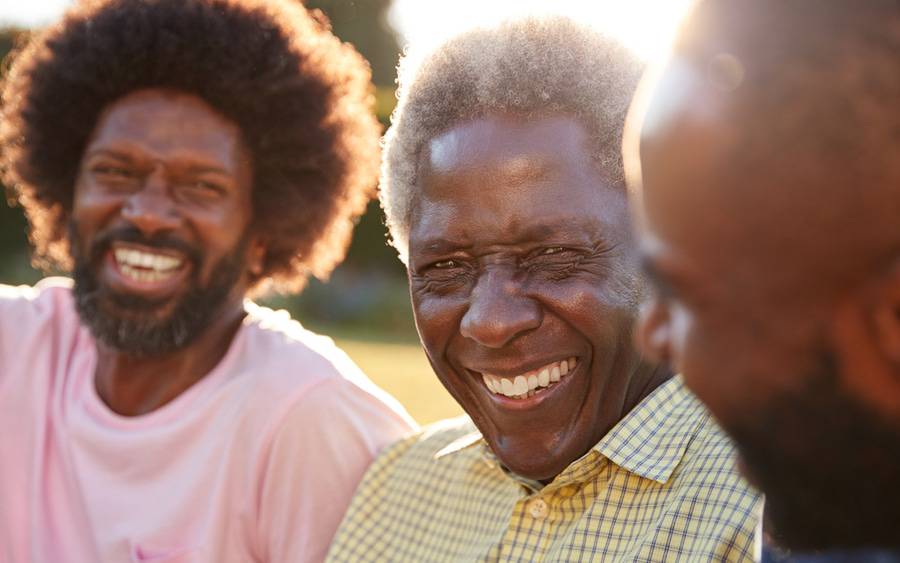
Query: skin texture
point(521, 255)
point(167, 165)
point(769, 234)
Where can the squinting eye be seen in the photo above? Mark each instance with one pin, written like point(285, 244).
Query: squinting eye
point(204, 185)
point(113, 171)
point(552, 250)
point(444, 264)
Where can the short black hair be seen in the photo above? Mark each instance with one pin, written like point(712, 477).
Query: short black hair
point(301, 98)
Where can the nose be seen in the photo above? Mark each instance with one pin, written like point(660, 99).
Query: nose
point(498, 311)
point(151, 209)
point(653, 334)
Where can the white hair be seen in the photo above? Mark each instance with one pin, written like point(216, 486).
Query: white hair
point(534, 67)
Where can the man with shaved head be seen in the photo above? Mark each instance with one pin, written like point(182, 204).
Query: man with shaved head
point(764, 155)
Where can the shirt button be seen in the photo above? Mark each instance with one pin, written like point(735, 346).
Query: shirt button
point(538, 509)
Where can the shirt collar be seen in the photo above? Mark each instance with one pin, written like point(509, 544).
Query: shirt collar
point(649, 442)
point(652, 439)
point(462, 443)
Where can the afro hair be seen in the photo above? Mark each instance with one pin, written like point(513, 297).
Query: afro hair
point(301, 98)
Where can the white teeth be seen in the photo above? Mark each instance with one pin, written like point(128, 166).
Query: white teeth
point(526, 385)
point(143, 275)
point(544, 377)
point(520, 385)
point(152, 261)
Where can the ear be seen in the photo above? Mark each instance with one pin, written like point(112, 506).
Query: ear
point(652, 335)
point(866, 335)
point(256, 256)
point(886, 323)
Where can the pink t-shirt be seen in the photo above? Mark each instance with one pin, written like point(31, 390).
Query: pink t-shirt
point(255, 462)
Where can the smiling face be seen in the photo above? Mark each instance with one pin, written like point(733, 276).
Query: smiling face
point(160, 222)
point(523, 284)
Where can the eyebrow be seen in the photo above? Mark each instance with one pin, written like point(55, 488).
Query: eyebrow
point(209, 168)
point(442, 246)
point(201, 168)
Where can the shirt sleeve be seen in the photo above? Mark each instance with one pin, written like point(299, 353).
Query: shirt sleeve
point(319, 453)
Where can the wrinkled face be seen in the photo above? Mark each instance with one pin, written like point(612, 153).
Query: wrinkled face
point(160, 220)
point(522, 277)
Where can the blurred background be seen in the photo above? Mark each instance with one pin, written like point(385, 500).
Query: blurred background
point(365, 305)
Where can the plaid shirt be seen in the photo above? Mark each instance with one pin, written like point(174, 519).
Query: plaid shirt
point(661, 486)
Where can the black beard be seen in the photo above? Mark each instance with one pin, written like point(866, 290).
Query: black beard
point(129, 323)
point(829, 466)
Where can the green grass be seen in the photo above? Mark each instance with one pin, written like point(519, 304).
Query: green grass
point(402, 370)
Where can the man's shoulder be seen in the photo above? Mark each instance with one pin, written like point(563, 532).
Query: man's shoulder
point(282, 367)
point(438, 450)
point(279, 351)
point(48, 293)
point(24, 308)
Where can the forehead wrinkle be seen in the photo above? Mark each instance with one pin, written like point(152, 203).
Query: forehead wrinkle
point(515, 170)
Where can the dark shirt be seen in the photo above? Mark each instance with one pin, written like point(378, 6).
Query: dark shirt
point(770, 555)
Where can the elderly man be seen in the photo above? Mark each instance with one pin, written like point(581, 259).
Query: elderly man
point(179, 154)
point(503, 190)
point(771, 189)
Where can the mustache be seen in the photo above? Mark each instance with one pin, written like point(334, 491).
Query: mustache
point(128, 233)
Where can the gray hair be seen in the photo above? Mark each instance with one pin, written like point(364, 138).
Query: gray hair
point(533, 67)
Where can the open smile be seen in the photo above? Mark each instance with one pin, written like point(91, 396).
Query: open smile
point(146, 270)
point(528, 384)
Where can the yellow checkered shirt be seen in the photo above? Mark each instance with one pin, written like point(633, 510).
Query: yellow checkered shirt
point(661, 486)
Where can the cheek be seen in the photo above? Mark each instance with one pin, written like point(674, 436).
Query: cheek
point(437, 320)
point(717, 360)
point(91, 205)
point(220, 230)
point(593, 309)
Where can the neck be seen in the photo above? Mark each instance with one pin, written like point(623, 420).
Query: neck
point(132, 386)
point(654, 376)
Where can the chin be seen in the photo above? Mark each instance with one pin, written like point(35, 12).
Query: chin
point(537, 463)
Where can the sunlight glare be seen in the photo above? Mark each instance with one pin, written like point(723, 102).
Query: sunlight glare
point(645, 26)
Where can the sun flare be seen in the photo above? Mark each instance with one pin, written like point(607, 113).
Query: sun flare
point(645, 26)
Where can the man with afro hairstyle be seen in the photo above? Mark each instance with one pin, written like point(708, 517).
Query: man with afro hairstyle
point(176, 156)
